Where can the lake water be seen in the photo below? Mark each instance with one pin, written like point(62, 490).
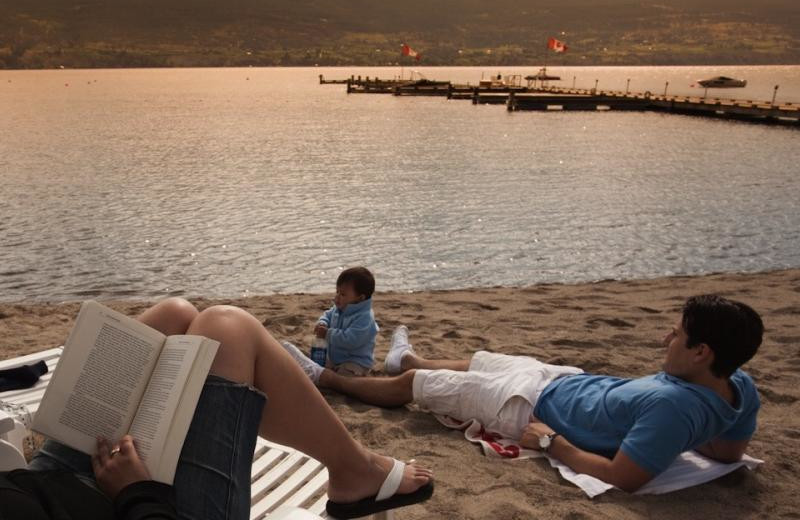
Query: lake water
point(230, 182)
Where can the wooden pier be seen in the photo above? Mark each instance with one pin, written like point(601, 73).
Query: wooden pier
point(546, 98)
point(557, 98)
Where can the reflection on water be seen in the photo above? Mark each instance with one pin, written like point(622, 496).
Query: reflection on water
point(223, 182)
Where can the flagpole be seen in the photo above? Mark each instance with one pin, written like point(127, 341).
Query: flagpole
point(544, 69)
point(402, 48)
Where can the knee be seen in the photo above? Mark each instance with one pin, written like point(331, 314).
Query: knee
point(180, 307)
point(227, 324)
point(407, 377)
point(170, 316)
point(179, 311)
point(219, 316)
point(235, 329)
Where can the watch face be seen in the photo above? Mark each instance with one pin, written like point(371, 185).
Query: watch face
point(544, 442)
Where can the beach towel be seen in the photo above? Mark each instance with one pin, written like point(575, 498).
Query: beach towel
point(689, 469)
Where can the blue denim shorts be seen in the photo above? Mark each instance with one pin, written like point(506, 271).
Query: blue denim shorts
point(212, 480)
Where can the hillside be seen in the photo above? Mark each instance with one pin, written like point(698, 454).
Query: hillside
point(126, 33)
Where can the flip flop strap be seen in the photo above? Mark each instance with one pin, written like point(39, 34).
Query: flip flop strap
point(392, 482)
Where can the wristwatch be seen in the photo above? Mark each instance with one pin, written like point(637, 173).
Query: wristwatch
point(545, 441)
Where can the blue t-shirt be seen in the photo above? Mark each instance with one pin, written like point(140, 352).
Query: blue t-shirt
point(651, 419)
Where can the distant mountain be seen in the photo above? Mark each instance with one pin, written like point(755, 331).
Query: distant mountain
point(124, 33)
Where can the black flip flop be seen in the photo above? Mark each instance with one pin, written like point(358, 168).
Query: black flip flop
point(371, 505)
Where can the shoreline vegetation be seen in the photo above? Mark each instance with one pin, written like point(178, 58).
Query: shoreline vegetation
point(105, 55)
point(53, 34)
point(608, 327)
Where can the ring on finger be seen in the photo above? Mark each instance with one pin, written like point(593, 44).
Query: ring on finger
point(114, 452)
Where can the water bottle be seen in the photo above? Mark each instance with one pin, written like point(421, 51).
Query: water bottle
point(319, 351)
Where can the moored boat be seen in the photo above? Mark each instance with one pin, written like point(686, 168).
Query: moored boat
point(722, 82)
point(542, 75)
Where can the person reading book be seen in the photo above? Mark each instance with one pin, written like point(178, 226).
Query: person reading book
point(622, 431)
point(254, 388)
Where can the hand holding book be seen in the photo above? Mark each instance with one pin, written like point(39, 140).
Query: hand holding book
point(117, 376)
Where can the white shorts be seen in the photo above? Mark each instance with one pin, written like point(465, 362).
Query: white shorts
point(499, 391)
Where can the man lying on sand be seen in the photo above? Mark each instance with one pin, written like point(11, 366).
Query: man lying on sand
point(622, 431)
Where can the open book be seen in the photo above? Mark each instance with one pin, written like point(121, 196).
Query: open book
point(118, 376)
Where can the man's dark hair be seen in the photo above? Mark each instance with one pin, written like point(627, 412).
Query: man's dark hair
point(362, 280)
point(732, 329)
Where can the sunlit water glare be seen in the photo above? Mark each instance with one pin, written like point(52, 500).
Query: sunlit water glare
point(227, 182)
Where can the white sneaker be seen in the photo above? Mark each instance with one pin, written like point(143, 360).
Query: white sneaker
point(398, 350)
point(311, 369)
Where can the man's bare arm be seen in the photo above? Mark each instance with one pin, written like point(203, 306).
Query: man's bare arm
point(620, 471)
point(723, 450)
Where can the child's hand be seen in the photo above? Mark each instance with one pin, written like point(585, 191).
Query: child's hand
point(320, 330)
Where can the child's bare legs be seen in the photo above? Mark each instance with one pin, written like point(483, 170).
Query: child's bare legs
point(296, 414)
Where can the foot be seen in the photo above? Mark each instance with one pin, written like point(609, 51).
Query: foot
point(399, 349)
point(380, 479)
point(311, 369)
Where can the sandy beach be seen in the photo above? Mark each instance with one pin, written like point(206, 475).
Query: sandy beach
point(610, 327)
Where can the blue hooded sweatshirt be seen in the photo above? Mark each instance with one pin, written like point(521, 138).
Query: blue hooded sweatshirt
point(351, 333)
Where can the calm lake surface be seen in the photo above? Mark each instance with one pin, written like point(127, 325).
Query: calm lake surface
point(231, 182)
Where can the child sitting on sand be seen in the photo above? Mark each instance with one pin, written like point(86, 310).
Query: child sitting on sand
point(349, 325)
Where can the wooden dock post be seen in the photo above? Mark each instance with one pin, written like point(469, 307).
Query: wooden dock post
point(511, 104)
point(475, 96)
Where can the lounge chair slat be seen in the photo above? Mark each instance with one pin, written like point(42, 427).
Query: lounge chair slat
point(267, 481)
point(265, 461)
point(317, 485)
point(47, 355)
point(282, 491)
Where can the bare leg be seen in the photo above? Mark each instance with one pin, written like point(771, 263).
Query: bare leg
point(296, 414)
point(379, 391)
point(411, 361)
point(401, 356)
point(170, 316)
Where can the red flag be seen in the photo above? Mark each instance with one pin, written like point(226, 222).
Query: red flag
point(556, 45)
point(411, 53)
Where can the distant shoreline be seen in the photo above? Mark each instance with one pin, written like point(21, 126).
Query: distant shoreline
point(147, 299)
point(419, 65)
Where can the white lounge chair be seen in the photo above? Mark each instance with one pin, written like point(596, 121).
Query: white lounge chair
point(285, 483)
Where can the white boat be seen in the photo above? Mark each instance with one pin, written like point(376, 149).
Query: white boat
point(722, 82)
point(499, 81)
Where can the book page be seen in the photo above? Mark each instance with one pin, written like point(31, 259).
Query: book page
point(161, 401)
point(185, 412)
point(100, 378)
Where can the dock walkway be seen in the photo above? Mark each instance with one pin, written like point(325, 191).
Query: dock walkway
point(551, 98)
